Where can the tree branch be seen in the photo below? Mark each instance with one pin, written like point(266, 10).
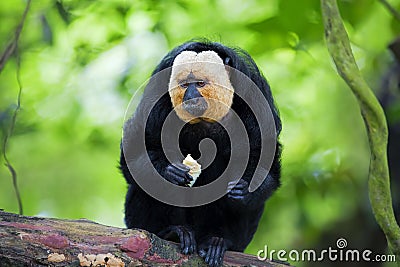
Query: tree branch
point(10, 50)
point(33, 241)
point(379, 186)
point(391, 9)
point(395, 48)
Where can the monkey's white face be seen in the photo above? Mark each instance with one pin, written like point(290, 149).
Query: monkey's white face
point(199, 87)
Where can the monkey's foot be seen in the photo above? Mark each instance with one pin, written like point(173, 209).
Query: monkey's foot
point(238, 191)
point(178, 173)
point(185, 235)
point(213, 251)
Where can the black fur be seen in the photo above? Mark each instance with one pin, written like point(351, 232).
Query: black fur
point(230, 222)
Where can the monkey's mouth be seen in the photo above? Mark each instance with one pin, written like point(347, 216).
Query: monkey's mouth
point(195, 106)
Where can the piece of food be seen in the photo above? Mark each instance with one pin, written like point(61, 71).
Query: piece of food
point(195, 168)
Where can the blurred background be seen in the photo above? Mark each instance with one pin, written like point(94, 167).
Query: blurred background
point(81, 62)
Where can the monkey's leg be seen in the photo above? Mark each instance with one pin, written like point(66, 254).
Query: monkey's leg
point(137, 207)
point(185, 235)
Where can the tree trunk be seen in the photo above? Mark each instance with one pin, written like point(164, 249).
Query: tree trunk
point(33, 241)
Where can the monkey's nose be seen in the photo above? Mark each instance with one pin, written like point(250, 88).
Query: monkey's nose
point(191, 93)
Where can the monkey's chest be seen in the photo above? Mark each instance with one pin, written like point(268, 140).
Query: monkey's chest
point(210, 147)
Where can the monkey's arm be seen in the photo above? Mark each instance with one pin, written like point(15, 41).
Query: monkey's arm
point(238, 193)
point(161, 164)
point(143, 165)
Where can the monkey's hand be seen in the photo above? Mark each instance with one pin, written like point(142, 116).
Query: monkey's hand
point(238, 191)
point(213, 250)
point(185, 235)
point(178, 173)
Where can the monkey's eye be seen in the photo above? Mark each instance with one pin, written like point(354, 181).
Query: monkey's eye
point(184, 84)
point(200, 83)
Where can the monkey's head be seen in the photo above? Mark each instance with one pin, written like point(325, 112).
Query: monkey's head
point(199, 87)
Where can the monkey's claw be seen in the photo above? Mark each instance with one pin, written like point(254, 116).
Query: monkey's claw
point(238, 191)
point(214, 254)
point(185, 235)
point(178, 173)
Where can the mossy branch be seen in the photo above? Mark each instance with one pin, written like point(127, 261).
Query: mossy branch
point(379, 186)
point(35, 241)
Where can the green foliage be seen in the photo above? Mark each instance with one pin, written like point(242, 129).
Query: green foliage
point(81, 61)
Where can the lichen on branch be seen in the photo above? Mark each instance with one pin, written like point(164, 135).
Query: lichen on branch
point(35, 241)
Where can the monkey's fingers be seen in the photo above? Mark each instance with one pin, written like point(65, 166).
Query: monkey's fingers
point(236, 197)
point(212, 257)
point(182, 170)
point(186, 238)
point(238, 192)
point(193, 246)
point(202, 252)
point(238, 184)
point(215, 252)
point(231, 185)
point(184, 175)
point(188, 246)
point(180, 166)
point(174, 177)
point(185, 235)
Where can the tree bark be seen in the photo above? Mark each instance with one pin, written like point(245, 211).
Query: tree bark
point(34, 241)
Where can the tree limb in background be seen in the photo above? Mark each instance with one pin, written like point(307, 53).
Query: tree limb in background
point(395, 48)
point(379, 186)
point(391, 9)
point(12, 47)
point(34, 241)
point(10, 50)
